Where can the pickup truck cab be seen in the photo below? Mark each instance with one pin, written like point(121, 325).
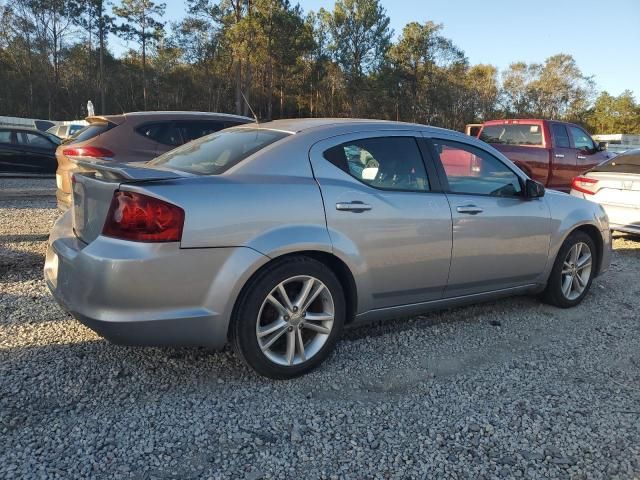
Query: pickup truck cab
point(548, 151)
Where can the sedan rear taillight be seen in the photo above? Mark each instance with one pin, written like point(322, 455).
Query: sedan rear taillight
point(140, 218)
point(585, 185)
point(93, 152)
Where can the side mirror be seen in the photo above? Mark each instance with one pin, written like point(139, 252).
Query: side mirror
point(602, 146)
point(534, 189)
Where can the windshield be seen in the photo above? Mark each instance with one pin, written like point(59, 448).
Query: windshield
point(216, 153)
point(624, 163)
point(513, 134)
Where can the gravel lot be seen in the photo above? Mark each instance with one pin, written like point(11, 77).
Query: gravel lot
point(501, 390)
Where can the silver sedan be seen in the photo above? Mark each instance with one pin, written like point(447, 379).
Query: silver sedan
point(274, 237)
point(614, 184)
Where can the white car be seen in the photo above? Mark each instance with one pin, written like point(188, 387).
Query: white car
point(64, 131)
point(614, 184)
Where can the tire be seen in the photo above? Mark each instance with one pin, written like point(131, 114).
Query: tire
point(556, 291)
point(262, 313)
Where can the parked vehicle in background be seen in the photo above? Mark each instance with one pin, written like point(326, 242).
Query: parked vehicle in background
point(614, 184)
point(43, 125)
point(548, 151)
point(134, 137)
point(64, 131)
point(27, 151)
point(472, 129)
point(276, 235)
point(21, 122)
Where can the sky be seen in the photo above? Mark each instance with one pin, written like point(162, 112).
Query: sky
point(603, 37)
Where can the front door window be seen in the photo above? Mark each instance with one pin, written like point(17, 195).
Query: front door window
point(473, 171)
point(581, 140)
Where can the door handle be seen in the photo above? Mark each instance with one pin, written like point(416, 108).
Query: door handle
point(559, 155)
point(581, 157)
point(355, 206)
point(470, 209)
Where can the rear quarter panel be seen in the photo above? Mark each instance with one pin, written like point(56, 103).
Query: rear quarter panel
point(269, 202)
point(271, 214)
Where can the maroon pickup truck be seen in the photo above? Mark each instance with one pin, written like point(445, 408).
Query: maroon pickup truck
point(548, 151)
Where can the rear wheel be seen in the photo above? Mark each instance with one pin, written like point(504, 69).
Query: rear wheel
point(572, 272)
point(289, 318)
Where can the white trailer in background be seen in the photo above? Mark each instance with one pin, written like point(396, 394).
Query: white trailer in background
point(619, 142)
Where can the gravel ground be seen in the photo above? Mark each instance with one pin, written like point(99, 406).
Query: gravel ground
point(501, 390)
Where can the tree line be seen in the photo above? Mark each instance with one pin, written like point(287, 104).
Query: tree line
point(225, 55)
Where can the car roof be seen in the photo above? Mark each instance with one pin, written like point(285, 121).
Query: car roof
point(516, 121)
point(163, 115)
point(300, 125)
point(17, 128)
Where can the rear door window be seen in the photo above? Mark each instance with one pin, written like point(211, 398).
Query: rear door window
point(387, 163)
point(513, 134)
point(33, 140)
point(560, 136)
point(191, 130)
point(166, 133)
point(215, 154)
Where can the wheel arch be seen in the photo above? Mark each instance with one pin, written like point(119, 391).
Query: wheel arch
point(596, 236)
point(335, 264)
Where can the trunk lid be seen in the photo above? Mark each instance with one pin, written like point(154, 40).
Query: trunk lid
point(93, 191)
point(619, 194)
point(617, 188)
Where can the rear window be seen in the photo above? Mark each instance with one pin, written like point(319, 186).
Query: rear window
point(623, 163)
point(91, 131)
point(513, 134)
point(216, 153)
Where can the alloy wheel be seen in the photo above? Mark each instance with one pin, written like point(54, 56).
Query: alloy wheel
point(295, 320)
point(576, 271)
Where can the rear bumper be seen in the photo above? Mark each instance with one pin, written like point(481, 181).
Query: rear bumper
point(147, 294)
point(622, 217)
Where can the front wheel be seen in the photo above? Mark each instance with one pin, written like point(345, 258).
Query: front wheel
point(572, 272)
point(289, 318)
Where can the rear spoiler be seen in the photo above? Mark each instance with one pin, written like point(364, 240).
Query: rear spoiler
point(127, 171)
point(112, 119)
